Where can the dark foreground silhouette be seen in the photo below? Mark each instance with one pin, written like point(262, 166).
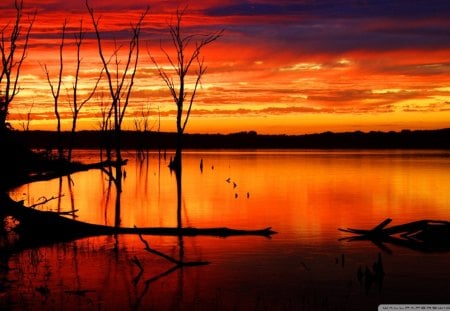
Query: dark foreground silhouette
point(20, 165)
point(422, 235)
point(46, 227)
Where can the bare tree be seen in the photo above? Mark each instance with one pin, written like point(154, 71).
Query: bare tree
point(142, 126)
point(57, 89)
point(188, 49)
point(13, 48)
point(76, 104)
point(120, 80)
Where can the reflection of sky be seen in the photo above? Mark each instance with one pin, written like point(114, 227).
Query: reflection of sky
point(321, 65)
point(304, 196)
point(300, 193)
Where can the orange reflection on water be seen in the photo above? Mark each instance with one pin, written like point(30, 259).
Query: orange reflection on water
point(304, 195)
point(303, 192)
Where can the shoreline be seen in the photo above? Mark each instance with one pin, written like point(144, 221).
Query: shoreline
point(406, 139)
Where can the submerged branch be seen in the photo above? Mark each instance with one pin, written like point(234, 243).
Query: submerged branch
point(422, 235)
point(50, 227)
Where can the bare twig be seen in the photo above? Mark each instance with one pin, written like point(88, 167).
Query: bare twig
point(120, 80)
point(13, 55)
point(76, 105)
point(45, 200)
point(181, 64)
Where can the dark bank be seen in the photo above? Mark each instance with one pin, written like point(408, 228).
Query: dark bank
point(406, 139)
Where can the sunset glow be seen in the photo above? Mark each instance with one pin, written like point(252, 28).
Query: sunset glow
point(280, 67)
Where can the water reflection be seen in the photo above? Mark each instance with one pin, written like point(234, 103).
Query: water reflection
point(305, 196)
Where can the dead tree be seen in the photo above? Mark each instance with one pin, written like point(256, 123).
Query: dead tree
point(188, 49)
point(57, 89)
point(188, 53)
point(120, 80)
point(76, 104)
point(13, 48)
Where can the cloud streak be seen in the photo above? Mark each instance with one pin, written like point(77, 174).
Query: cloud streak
point(276, 57)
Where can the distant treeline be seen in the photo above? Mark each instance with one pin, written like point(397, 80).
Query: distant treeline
point(406, 139)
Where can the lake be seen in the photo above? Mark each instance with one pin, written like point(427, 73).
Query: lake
point(303, 195)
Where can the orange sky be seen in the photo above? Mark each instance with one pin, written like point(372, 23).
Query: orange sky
point(281, 66)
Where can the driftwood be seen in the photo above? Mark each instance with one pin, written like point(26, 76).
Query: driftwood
point(70, 168)
point(52, 227)
point(423, 235)
point(51, 170)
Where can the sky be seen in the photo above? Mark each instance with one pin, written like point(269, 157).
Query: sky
point(280, 67)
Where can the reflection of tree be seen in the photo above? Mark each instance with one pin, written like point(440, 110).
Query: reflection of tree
point(70, 185)
point(178, 265)
point(113, 180)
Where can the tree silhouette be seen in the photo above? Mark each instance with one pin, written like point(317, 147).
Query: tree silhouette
point(120, 80)
point(77, 105)
point(188, 49)
point(56, 90)
point(13, 48)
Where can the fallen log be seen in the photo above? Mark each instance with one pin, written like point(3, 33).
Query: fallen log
point(54, 170)
point(52, 226)
point(70, 168)
point(423, 235)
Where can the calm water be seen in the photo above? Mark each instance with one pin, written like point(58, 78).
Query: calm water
point(303, 195)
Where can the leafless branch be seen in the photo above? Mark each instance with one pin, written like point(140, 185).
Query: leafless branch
point(44, 200)
point(76, 104)
point(186, 56)
point(13, 49)
point(61, 67)
point(120, 81)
